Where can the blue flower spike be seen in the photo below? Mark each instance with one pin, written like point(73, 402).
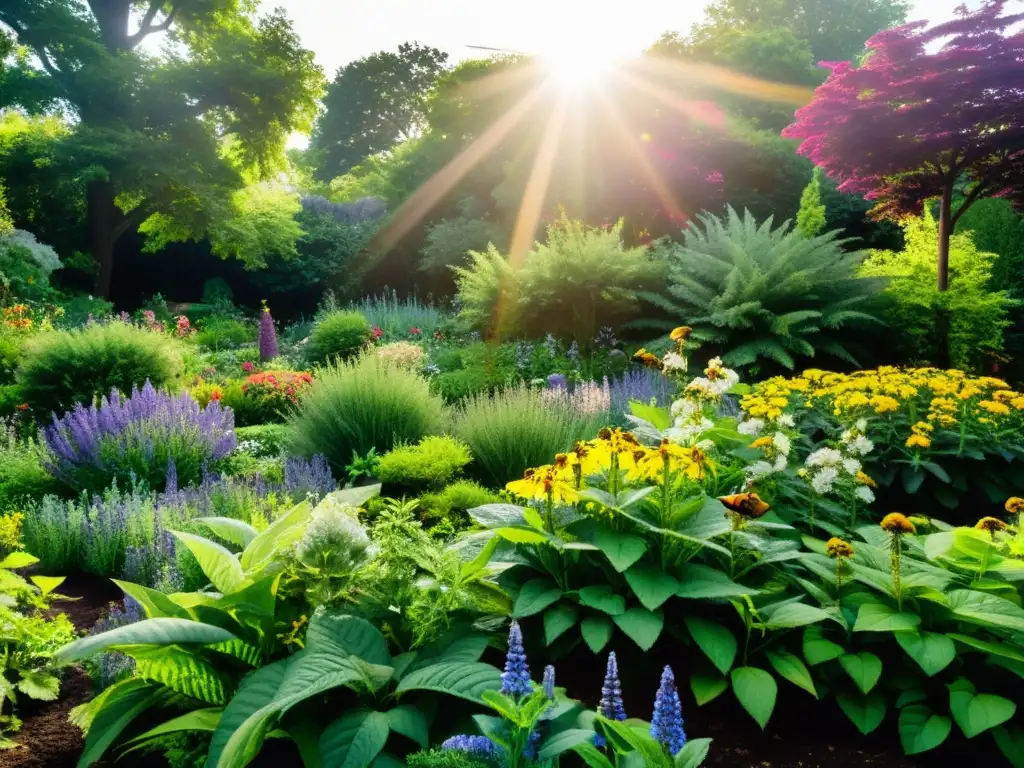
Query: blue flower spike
point(667, 722)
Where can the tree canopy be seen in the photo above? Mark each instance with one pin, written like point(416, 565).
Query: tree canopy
point(166, 136)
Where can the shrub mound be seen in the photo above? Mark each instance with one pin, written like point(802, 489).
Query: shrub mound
point(338, 335)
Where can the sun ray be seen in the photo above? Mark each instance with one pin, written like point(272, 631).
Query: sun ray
point(722, 79)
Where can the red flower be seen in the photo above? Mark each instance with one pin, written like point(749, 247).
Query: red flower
point(377, 332)
point(415, 331)
point(248, 367)
point(22, 407)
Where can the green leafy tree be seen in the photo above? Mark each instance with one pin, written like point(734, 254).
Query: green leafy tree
point(372, 104)
point(172, 134)
point(977, 314)
point(810, 219)
point(756, 294)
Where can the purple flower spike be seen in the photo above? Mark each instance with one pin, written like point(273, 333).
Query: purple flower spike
point(475, 746)
point(515, 680)
point(667, 722)
point(549, 682)
point(268, 336)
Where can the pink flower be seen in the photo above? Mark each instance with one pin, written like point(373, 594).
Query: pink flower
point(415, 331)
point(377, 332)
point(248, 366)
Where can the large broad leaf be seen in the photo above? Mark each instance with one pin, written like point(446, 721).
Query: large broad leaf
point(354, 497)
point(641, 625)
point(932, 651)
point(977, 712)
point(602, 598)
point(622, 549)
point(693, 753)
point(596, 631)
point(535, 596)
point(1010, 740)
point(196, 720)
point(590, 755)
point(699, 582)
point(354, 739)
point(237, 532)
point(707, 687)
point(792, 668)
point(332, 631)
point(220, 566)
point(18, 559)
point(795, 615)
point(146, 632)
point(756, 691)
point(998, 649)
point(465, 680)
point(651, 585)
point(183, 671)
point(248, 708)
point(865, 711)
point(921, 729)
point(818, 649)
point(558, 619)
point(717, 642)
point(985, 608)
point(39, 684)
point(864, 669)
point(155, 604)
point(410, 722)
point(498, 515)
point(122, 703)
point(879, 617)
point(278, 536)
point(564, 741)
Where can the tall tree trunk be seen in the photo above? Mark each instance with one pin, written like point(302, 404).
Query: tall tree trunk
point(942, 318)
point(101, 212)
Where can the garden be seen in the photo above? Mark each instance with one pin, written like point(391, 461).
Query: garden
point(666, 416)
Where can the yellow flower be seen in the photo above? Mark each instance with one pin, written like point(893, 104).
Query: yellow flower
point(968, 392)
point(897, 524)
point(543, 483)
point(990, 524)
point(922, 428)
point(682, 333)
point(761, 442)
point(1018, 403)
point(884, 404)
point(1000, 409)
point(918, 441)
point(836, 547)
point(1014, 505)
point(865, 479)
point(1003, 395)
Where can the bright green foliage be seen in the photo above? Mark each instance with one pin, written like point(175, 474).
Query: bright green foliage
point(261, 225)
point(6, 223)
point(810, 219)
point(514, 429)
point(22, 476)
point(217, 332)
point(455, 500)
point(977, 313)
point(755, 294)
point(443, 758)
point(428, 465)
point(999, 229)
point(272, 437)
point(338, 336)
point(162, 136)
point(577, 282)
point(25, 266)
point(67, 367)
point(355, 406)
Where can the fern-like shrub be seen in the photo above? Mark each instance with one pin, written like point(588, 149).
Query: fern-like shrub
point(579, 281)
point(358, 405)
point(64, 368)
point(758, 294)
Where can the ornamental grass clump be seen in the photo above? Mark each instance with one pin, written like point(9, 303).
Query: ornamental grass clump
point(134, 439)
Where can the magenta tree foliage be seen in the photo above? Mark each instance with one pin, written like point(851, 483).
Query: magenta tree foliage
point(930, 111)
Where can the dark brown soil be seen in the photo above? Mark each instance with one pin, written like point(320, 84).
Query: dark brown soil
point(48, 739)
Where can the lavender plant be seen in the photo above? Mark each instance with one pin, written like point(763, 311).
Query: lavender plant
point(135, 439)
point(108, 668)
point(643, 386)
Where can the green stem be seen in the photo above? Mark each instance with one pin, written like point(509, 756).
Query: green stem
point(895, 552)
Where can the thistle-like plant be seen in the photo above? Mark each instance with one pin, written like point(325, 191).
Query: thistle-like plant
point(754, 293)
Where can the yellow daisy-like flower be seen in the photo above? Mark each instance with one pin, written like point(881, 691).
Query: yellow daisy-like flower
point(761, 442)
point(863, 478)
point(1000, 409)
point(836, 547)
point(544, 482)
point(1018, 403)
point(682, 333)
point(1014, 505)
point(968, 392)
point(897, 523)
point(990, 524)
point(884, 404)
point(918, 441)
point(922, 428)
point(1003, 395)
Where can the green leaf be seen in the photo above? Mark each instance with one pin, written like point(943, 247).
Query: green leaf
point(975, 713)
point(707, 687)
point(561, 742)
point(652, 585)
point(865, 712)
point(717, 642)
point(818, 649)
point(793, 669)
point(522, 535)
point(985, 608)
point(18, 560)
point(38, 684)
point(196, 720)
point(237, 532)
point(155, 604)
point(879, 617)
point(693, 753)
point(249, 712)
point(590, 755)
point(355, 497)
point(932, 651)
point(384, 760)
point(602, 598)
point(462, 679)
point(557, 620)
point(699, 582)
point(864, 669)
point(997, 649)
point(146, 632)
point(921, 729)
point(504, 706)
point(122, 703)
point(621, 549)
point(641, 626)
point(182, 671)
point(659, 418)
point(220, 566)
point(278, 536)
point(535, 596)
point(354, 739)
point(331, 631)
point(1010, 740)
point(596, 631)
point(47, 584)
point(756, 691)
point(795, 615)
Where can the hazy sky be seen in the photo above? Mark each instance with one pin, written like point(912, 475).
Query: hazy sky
point(342, 30)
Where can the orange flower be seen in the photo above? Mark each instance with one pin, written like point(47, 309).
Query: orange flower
point(682, 333)
point(745, 504)
point(1014, 505)
point(897, 524)
point(22, 407)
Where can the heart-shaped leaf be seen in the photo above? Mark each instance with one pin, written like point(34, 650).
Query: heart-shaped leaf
point(977, 712)
point(864, 669)
point(756, 691)
point(535, 596)
point(932, 652)
point(596, 631)
point(707, 687)
point(921, 729)
point(879, 617)
point(865, 712)
point(642, 626)
point(716, 641)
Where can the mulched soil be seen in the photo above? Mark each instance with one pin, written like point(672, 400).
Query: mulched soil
point(49, 740)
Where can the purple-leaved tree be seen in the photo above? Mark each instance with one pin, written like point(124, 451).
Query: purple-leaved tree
point(915, 122)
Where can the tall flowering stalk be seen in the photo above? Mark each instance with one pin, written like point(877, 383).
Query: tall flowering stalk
point(897, 526)
point(515, 680)
point(841, 551)
point(667, 721)
point(611, 705)
point(268, 336)
point(136, 438)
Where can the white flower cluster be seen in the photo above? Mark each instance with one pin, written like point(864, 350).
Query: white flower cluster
point(826, 467)
point(673, 362)
point(854, 440)
point(777, 458)
point(688, 422)
point(716, 382)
